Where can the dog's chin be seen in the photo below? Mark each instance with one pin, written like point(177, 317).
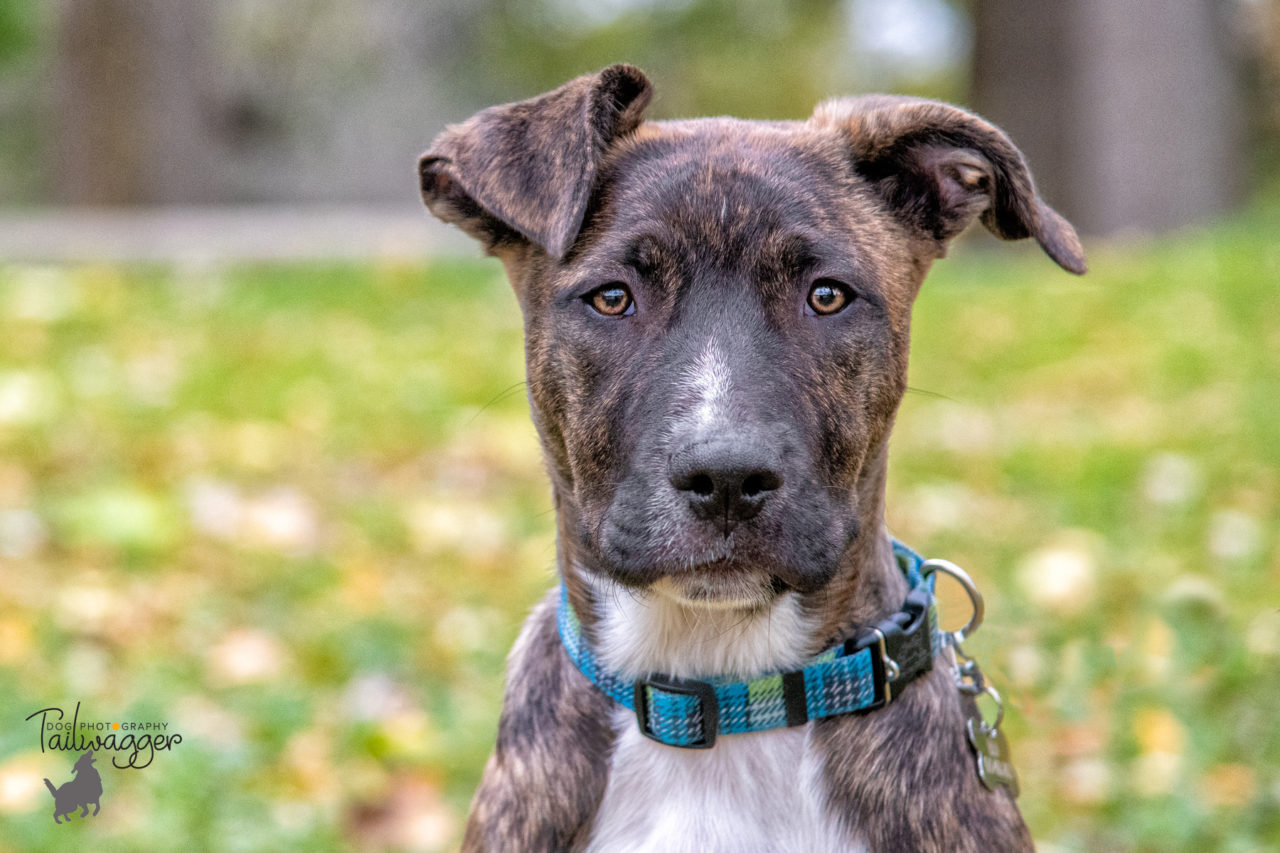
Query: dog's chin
point(748, 590)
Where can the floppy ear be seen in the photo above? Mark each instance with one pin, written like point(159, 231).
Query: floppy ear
point(525, 170)
point(937, 167)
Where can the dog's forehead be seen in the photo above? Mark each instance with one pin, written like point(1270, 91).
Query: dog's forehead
point(731, 186)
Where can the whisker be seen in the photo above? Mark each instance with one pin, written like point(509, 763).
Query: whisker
point(934, 394)
point(501, 394)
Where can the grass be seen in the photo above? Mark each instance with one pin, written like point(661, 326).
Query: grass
point(298, 514)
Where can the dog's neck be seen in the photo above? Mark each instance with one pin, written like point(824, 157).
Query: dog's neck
point(639, 632)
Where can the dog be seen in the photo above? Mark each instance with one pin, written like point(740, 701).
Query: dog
point(716, 318)
point(81, 792)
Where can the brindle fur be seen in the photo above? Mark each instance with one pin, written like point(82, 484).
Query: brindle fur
point(571, 190)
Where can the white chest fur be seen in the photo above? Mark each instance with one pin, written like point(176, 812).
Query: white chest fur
point(751, 792)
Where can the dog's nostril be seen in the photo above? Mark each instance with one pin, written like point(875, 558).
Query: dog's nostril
point(761, 481)
point(701, 484)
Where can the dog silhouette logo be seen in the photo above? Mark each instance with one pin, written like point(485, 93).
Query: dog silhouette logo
point(81, 792)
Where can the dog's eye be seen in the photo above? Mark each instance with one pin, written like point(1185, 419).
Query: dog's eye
point(828, 296)
point(611, 300)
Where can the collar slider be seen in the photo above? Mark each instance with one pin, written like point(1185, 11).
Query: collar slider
point(693, 703)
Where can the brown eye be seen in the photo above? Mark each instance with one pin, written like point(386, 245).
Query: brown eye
point(828, 296)
point(611, 300)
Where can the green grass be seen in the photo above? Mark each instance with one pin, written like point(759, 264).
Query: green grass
point(298, 513)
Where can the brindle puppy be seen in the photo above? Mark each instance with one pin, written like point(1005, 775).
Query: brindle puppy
point(716, 320)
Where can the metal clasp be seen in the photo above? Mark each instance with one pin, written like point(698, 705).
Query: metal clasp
point(968, 674)
point(890, 666)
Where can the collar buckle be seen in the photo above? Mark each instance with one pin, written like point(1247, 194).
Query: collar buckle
point(900, 648)
point(677, 691)
point(888, 670)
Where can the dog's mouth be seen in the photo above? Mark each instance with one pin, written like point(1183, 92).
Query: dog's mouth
point(735, 572)
point(648, 537)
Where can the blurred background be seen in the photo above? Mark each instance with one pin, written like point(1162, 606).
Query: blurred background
point(266, 469)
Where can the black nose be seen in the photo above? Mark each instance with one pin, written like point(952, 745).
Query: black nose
point(724, 481)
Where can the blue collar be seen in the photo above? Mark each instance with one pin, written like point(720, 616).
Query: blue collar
point(861, 674)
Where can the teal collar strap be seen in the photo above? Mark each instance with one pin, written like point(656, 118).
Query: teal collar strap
point(861, 674)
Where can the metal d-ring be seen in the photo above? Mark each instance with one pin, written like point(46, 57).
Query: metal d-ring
point(975, 598)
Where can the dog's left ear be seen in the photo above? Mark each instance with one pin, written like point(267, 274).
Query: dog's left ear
point(524, 171)
point(937, 167)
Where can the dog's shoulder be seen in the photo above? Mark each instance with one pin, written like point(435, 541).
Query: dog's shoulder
point(906, 776)
point(545, 779)
point(546, 696)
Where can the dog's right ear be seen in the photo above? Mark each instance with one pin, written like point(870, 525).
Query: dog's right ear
point(524, 171)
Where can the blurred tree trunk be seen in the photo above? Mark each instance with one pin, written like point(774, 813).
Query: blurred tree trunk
point(130, 116)
point(1128, 112)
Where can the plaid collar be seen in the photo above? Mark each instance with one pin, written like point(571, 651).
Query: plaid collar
point(859, 675)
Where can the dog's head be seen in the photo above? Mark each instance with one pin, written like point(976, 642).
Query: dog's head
point(717, 312)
